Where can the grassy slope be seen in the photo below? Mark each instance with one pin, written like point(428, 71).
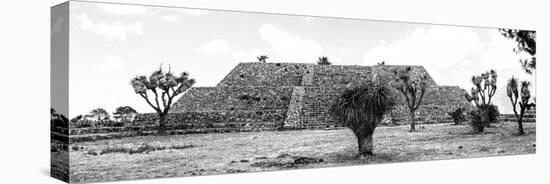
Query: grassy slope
point(222, 153)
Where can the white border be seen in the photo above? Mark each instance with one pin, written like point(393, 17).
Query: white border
point(25, 54)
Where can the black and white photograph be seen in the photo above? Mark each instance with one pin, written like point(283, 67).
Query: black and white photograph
point(145, 92)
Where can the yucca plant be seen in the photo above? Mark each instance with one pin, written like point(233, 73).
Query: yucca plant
point(513, 94)
point(361, 109)
point(458, 115)
point(323, 61)
point(262, 58)
point(163, 85)
point(485, 87)
point(413, 90)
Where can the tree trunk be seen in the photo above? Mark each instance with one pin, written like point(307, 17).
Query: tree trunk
point(520, 126)
point(162, 124)
point(485, 117)
point(413, 123)
point(365, 145)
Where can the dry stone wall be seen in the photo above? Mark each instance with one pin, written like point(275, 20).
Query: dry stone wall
point(436, 104)
point(338, 75)
point(233, 99)
point(265, 74)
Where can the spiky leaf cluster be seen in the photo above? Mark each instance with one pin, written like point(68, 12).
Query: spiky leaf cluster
point(362, 107)
point(163, 85)
point(413, 89)
point(485, 87)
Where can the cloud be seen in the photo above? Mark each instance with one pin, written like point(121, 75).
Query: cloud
point(120, 9)
point(214, 47)
point(288, 47)
point(110, 31)
point(195, 12)
point(434, 47)
point(111, 64)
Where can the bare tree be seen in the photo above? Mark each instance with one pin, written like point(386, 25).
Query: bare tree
point(163, 85)
point(513, 93)
point(412, 89)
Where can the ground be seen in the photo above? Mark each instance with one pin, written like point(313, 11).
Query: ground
point(202, 154)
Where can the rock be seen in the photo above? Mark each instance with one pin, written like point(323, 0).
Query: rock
point(235, 171)
point(260, 158)
point(233, 161)
point(244, 160)
point(501, 151)
point(460, 147)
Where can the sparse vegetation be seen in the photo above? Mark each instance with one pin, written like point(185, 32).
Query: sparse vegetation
point(413, 89)
point(222, 153)
point(526, 42)
point(262, 58)
point(323, 61)
point(361, 108)
point(124, 113)
point(136, 149)
point(57, 119)
point(485, 87)
point(163, 85)
point(458, 115)
point(100, 114)
point(513, 94)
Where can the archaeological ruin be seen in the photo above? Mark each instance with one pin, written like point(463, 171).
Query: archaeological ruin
point(276, 96)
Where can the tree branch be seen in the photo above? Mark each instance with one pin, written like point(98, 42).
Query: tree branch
point(156, 98)
point(422, 92)
point(149, 102)
point(406, 97)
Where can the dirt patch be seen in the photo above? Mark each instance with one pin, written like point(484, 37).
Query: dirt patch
point(276, 150)
point(286, 161)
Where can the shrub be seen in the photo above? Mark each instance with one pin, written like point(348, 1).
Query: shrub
point(483, 116)
point(475, 121)
point(458, 115)
point(492, 113)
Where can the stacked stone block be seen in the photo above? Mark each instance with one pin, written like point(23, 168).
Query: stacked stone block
point(275, 96)
point(311, 89)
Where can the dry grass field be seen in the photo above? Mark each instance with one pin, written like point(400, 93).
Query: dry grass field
point(203, 154)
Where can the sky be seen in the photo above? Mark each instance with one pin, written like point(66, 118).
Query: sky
point(110, 44)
